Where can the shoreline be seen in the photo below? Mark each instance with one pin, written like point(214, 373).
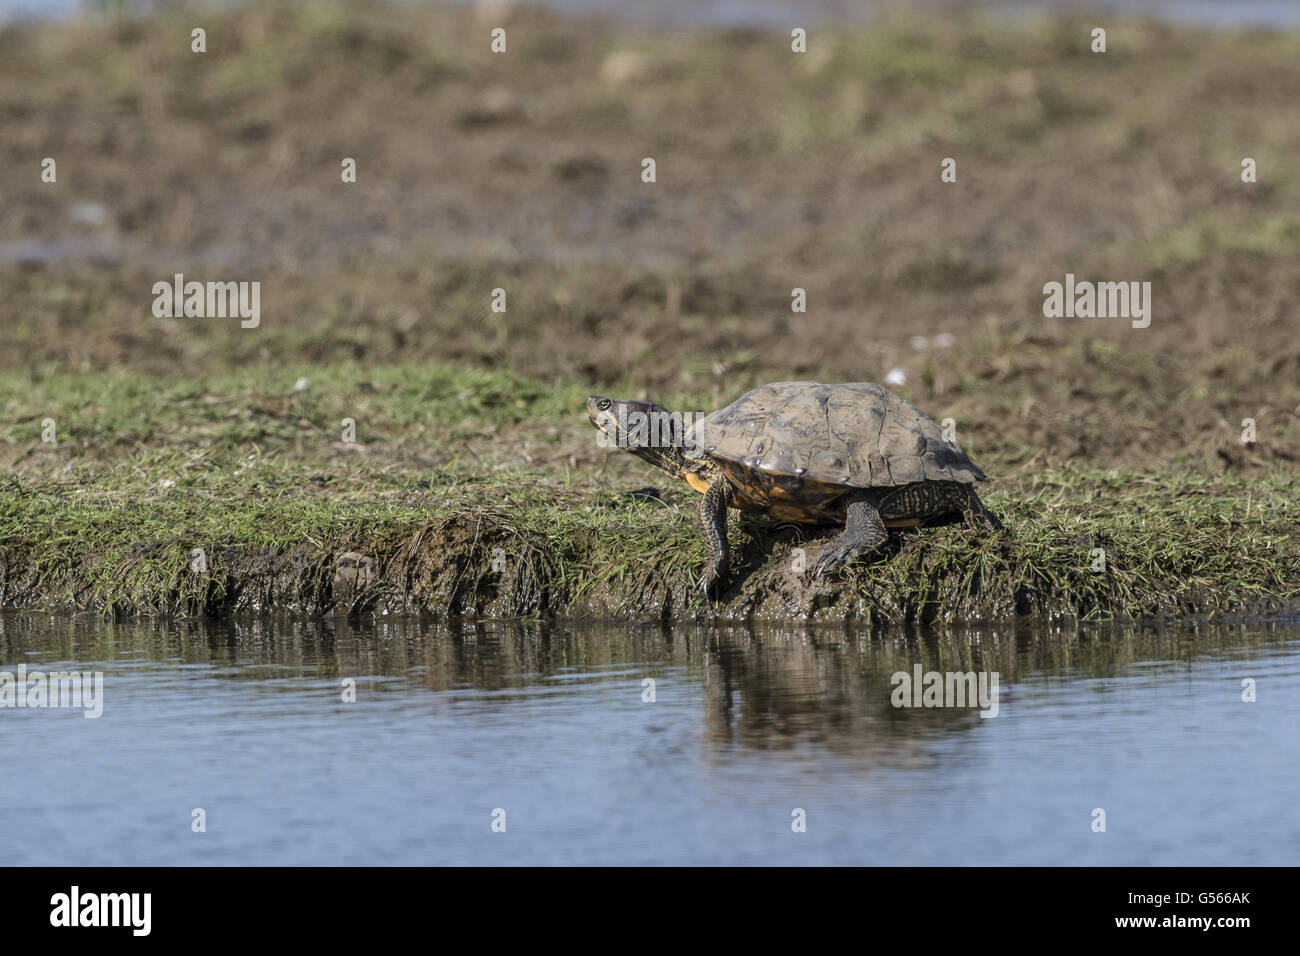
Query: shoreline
point(524, 544)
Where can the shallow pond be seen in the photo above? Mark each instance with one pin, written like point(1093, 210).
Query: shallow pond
point(553, 725)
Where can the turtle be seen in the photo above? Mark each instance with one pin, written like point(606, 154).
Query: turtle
point(853, 455)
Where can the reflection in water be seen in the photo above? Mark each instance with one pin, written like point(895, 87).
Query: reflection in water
point(246, 719)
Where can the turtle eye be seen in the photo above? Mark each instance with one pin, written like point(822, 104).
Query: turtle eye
point(603, 404)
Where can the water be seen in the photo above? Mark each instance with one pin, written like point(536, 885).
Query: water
point(548, 723)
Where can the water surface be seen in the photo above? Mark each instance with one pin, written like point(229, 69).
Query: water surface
point(246, 721)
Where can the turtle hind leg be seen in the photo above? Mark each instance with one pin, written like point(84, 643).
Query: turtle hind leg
point(864, 532)
point(975, 512)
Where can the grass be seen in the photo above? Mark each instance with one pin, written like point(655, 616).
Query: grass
point(251, 471)
point(285, 405)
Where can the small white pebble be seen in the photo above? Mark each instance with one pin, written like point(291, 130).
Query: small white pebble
point(919, 343)
point(89, 213)
point(300, 385)
point(896, 376)
point(168, 483)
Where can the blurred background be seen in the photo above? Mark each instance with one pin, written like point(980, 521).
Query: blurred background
point(777, 13)
point(818, 170)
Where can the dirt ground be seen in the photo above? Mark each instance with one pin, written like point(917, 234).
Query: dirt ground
point(775, 170)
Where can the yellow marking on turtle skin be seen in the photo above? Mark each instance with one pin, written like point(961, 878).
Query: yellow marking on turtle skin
point(696, 482)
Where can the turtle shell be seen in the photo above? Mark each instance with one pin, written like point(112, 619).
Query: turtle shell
point(801, 442)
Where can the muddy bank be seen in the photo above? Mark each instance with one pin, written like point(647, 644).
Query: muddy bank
point(1171, 552)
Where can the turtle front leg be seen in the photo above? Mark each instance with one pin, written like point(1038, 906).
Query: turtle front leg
point(975, 512)
point(864, 532)
point(713, 519)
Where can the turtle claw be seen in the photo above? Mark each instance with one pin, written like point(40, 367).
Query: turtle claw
point(830, 560)
point(712, 580)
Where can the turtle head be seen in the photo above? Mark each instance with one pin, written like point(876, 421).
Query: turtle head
point(649, 431)
point(633, 425)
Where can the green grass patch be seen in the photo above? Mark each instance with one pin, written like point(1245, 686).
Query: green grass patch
point(250, 470)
